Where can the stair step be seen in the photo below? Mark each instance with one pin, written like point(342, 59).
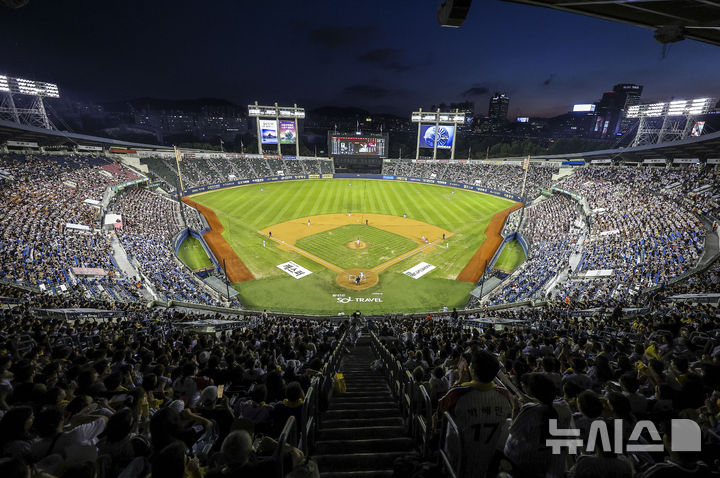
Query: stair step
point(362, 432)
point(363, 445)
point(384, 397)
point(362, 422)
point(358, 474)
point(363, 378)
point(357, 393)
point(373, 388)
point(377, 412)
point(358, 461)
point(362, 405)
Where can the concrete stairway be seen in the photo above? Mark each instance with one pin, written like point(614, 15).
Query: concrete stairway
point(362, 431)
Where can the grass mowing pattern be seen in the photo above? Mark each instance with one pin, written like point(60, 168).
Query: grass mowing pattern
point(245, 210)
point(510, 257)
point(330, 245)
point(193, 254)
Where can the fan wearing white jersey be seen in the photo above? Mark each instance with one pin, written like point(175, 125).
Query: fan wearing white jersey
point(481, 410)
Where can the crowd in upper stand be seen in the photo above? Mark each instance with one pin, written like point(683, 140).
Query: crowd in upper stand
point(658, 367)
point(129, 396)
point(203, 172)
point(504, 178)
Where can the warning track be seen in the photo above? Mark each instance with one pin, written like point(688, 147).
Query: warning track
point(236, 270)
point(474, 269)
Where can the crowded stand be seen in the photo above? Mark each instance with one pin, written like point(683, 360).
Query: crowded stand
point(205, 171)
point(550, 228)
point(149, 223)
point(115, 397)
point(504, 178)
point(49, 232)
point(552, 364)
point(642, 238)
point(193, 219)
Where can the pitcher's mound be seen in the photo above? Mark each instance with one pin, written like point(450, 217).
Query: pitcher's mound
point(356, 246)
point(344, 280)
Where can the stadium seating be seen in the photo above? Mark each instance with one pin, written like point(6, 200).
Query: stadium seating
point(128, 382)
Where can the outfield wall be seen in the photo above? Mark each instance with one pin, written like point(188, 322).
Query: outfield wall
point(269, 179)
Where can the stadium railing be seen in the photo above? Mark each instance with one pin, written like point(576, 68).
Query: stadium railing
point(288, 436)
point(415, 405)
point(309, 413)
point(451, 457)
point(423, 421)
point(325, 381)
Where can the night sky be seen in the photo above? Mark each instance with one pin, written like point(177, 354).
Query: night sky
point(387, 56)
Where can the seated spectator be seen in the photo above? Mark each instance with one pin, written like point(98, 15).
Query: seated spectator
point(172, 462)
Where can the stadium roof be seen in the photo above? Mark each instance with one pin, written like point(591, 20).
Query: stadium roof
point(703, 147)
point(699, 19)
point(44, 137)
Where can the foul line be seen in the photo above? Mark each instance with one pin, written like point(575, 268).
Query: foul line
point(407, 255)
point(376, 269)
point(322, 262)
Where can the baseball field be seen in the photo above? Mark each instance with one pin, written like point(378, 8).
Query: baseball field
point(336, 245)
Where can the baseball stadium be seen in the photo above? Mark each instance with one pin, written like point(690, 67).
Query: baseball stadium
point(199, 289)
point(343, 228)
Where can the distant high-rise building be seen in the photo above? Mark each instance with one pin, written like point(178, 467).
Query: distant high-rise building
point(632, 98)
point(610, 112)
point(497, 112)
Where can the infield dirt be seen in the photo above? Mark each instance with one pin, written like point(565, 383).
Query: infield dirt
point(425, 235)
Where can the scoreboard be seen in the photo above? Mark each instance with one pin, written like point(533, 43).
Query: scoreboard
point(368, 145)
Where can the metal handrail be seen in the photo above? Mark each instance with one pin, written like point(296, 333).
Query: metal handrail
point(287, 436)
point(423, 419)
point(450, 428)
point(309, 411)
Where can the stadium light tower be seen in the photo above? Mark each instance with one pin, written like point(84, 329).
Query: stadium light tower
point(35, 115)
point(439, 131)
point(678, 120)
point(277, 125)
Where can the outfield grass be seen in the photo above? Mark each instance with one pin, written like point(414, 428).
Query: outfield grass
point(193, 254)
point(510, 257)
point(243, 211)
point(381, 246)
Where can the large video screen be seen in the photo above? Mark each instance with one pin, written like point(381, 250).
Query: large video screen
point(445, 136)
point(269, 131)
point(358, 145)
point(288, 134)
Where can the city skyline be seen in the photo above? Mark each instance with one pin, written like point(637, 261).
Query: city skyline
point(383, 58)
